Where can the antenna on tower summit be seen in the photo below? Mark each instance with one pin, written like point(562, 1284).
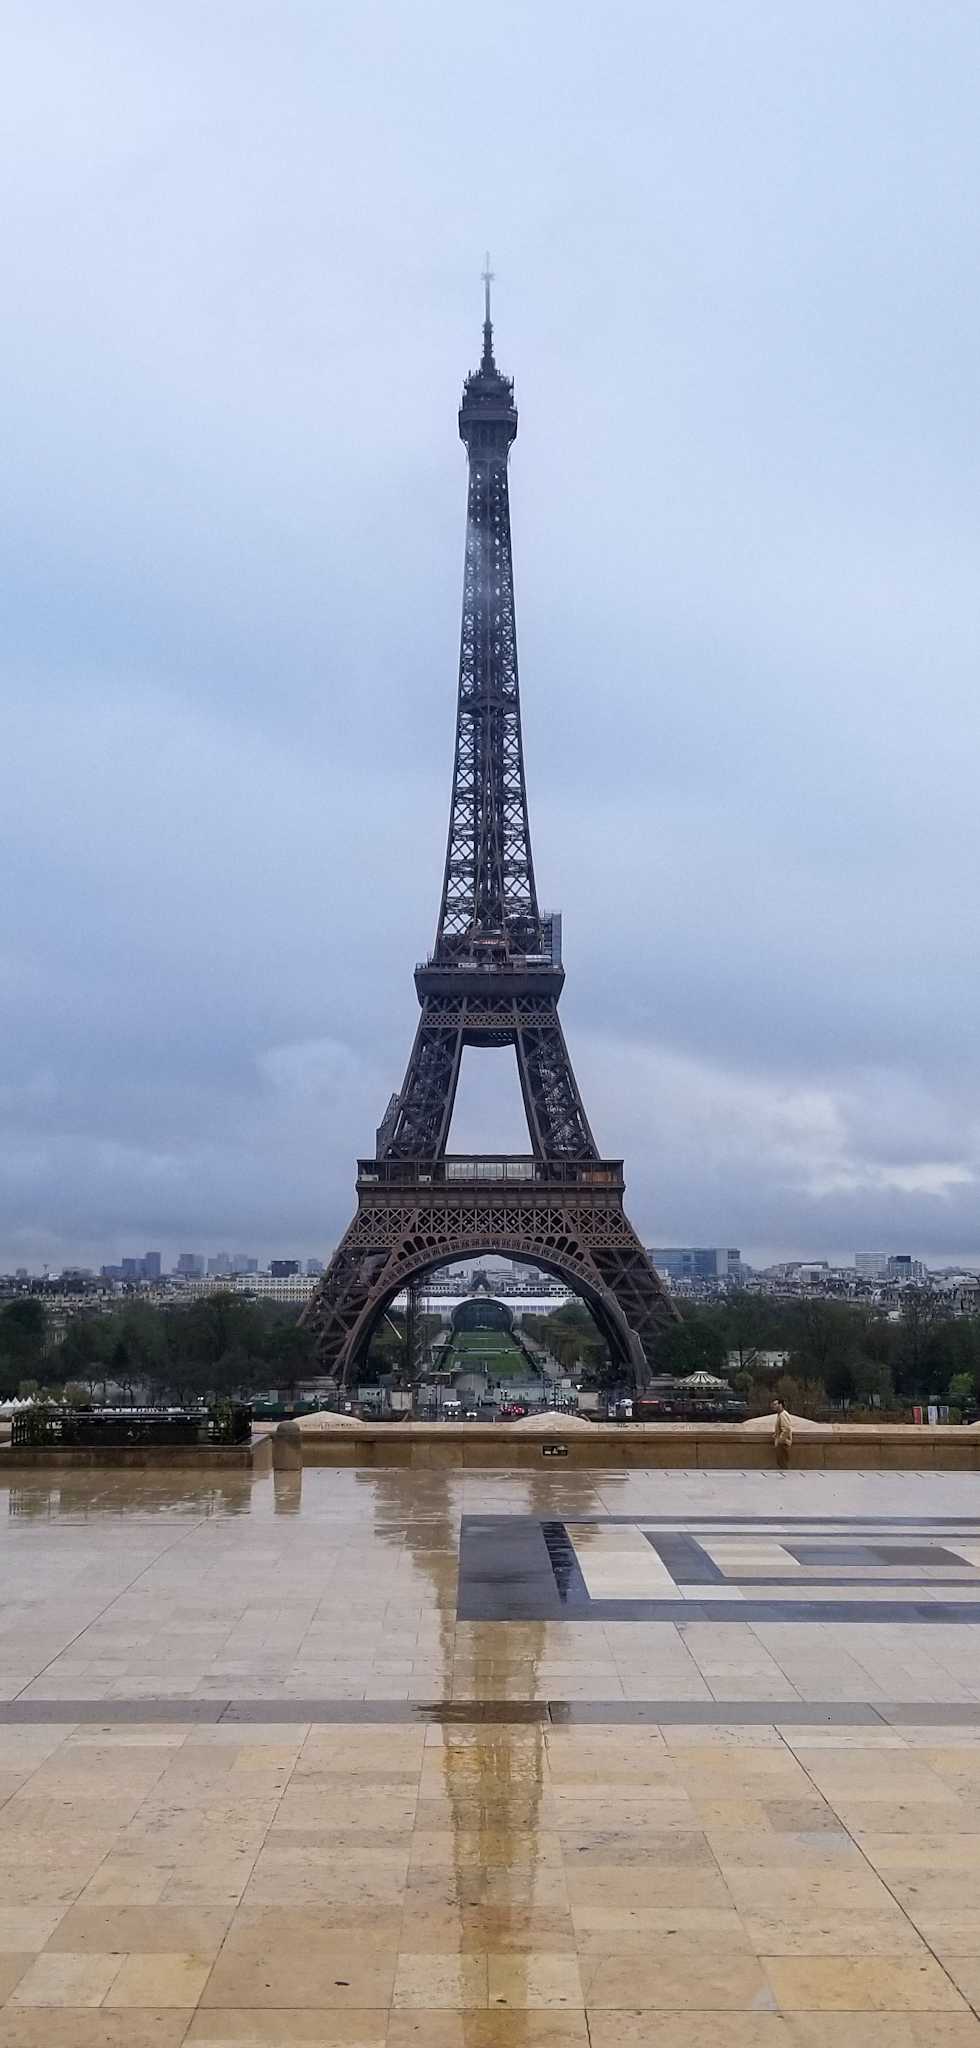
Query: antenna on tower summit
point(488, 278)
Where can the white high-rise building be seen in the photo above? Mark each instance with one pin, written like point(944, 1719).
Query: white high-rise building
point(696, 1262)
point(889, 1266)
point(871, 1265)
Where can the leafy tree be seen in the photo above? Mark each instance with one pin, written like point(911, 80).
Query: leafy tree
point(839, 1379)
point(236, 1372)
point(921, 1312)
point(290, 1351)
point(571, 1336)
point(211, 1347)
point(74, 1394)
point(694, 1345)
point(218, 1323)
point(23, 1334)
point(143, 1334)
point(825, 1340)
point(952, 1348)
point(871, 1379)
point(83, 1351)
point(747, 1326)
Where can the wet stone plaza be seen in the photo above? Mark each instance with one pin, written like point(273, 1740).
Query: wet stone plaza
point(372, 1758)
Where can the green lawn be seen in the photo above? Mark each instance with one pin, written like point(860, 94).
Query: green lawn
point(491, 1350)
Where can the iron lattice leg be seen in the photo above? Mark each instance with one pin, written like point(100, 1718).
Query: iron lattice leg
point(556, 1119)
point(634, 1283)
point(422, 1113)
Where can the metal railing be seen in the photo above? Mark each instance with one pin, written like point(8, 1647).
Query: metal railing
point(488, 1170)
point(113, 1428)
point(517, 963)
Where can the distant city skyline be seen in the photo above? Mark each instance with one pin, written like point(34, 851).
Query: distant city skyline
point(265, 1261)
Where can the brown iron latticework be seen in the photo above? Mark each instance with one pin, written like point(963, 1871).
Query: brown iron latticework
point(494, 978)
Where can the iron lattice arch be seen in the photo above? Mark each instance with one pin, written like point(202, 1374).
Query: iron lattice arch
point(493, 978)
point(573, 1228)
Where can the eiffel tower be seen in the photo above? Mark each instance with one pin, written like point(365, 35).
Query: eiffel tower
point(493, 978)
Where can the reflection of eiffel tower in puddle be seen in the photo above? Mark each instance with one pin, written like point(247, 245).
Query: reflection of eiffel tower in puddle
point(488, 1879)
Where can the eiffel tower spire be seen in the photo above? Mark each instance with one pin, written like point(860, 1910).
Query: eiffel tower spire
point(489, 904)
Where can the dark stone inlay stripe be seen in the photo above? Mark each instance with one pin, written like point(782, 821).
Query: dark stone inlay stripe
point(916, 1555)
point(942, 1713)
point(907, 1584)
point(13, 1712)
point(686, 1561)
point(706, 1713)
point(444, 1712)
point(693, 1520)
point(516, 1713)
point(839, 1553)
point(748, 1610)
point(505, 1572)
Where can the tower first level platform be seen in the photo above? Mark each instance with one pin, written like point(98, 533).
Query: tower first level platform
point(565, 1216)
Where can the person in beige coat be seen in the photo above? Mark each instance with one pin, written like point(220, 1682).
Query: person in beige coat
point(782, 1435)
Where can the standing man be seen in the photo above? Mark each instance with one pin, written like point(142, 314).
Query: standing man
point(782, 1435)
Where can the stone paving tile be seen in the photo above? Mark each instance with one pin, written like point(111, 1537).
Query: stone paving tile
point(83, 2027)
point(319, 2029)
point(148, 1929)
point(160, 1980)
point(852, 1984)
point(782, 2030)
point(714, 1981)
point(65, 1979)
point(528, 2028)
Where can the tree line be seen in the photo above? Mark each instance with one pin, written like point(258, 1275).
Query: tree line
point(841, 1354)
point(217, 1346)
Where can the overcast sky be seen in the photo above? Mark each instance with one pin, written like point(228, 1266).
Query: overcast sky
point(736, 252)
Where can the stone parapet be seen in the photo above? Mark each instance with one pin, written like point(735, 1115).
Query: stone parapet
point(830, 1447)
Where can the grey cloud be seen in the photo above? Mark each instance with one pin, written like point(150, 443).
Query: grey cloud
point(736, 290)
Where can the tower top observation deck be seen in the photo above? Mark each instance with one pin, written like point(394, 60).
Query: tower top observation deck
point(488, 415)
